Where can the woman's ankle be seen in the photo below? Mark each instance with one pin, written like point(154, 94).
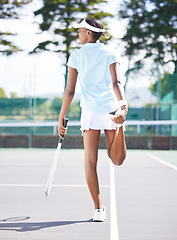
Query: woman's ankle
point(98, 206)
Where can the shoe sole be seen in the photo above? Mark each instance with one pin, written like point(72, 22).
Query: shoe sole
point(101, 219)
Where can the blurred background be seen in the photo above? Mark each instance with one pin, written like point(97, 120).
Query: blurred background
point(36, 38)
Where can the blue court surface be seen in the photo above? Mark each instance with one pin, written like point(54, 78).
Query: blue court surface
point(140, 196)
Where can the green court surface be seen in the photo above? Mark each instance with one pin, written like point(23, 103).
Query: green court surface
point(169, 156)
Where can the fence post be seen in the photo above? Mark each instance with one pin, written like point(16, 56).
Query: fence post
point(149, 137)
point(30, 138)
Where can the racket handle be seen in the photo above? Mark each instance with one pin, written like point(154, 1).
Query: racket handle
point(65, 121)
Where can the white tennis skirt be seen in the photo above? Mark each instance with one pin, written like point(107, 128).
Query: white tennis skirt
point(96, 121)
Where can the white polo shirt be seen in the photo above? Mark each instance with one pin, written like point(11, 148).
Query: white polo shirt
point(92, 63)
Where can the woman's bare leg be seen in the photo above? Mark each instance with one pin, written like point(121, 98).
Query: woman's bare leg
point(91, 141)
point(116, 146)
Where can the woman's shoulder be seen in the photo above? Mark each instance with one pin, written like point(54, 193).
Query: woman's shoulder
point(108, 50)
point(76, 52)
point(110, 53)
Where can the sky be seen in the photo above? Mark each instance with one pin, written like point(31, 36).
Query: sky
point(43, 74)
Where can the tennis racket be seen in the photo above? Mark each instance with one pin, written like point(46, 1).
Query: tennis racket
point(54, 163)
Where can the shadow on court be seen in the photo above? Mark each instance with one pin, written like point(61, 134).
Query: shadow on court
point(34, 226)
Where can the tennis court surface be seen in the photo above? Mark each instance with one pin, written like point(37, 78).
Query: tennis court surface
point(140, 196)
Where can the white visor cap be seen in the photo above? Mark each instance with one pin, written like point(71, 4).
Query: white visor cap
point(84, 24)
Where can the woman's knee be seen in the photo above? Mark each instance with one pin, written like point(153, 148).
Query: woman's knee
point(118, 160)
point(91, 162)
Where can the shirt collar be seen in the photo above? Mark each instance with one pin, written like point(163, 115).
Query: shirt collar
point(94, 45)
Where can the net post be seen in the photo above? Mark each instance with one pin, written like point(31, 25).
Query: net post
point(54, 130)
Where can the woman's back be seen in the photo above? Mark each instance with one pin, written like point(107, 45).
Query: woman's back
point(92, 62)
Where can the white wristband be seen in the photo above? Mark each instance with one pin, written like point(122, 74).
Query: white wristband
point(122, 103)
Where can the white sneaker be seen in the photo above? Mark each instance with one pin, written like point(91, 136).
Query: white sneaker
point(99, 215)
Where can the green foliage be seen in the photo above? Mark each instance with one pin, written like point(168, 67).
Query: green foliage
point(56, 104)
point(13, 95)
point(18, 106)
point(151, 30)
point(74, 109)
point(30, 108)
point(2, 93)
point(168, 83)
point(58, 18)
point(9, 10)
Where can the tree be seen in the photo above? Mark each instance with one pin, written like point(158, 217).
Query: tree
point(9, 10)
point(167, 84)
point(151, 31)
point(2, 93)
point(58, 17)
point(13, 95)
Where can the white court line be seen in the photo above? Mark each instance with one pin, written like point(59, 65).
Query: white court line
point(114, 233)
point(44, 185)
point(162, 161)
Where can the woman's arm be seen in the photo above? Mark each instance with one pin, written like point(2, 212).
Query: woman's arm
point(119, 92)
point(115, 74)
point(67, 99)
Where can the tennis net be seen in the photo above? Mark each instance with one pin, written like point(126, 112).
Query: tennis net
point(160, 134)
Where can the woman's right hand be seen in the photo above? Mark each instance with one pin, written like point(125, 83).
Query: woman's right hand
point(61, 129)
point(122, 116)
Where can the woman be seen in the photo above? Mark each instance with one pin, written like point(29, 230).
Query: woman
point(101, 96)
